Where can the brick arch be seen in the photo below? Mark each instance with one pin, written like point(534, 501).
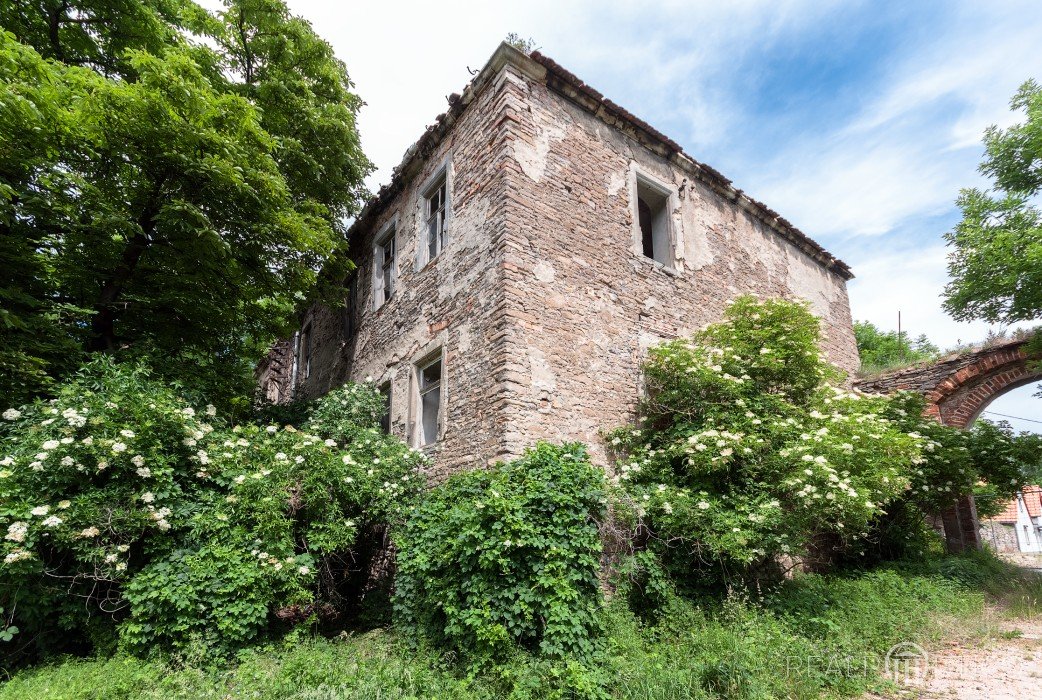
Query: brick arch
point(958, 388)
point(959, 399)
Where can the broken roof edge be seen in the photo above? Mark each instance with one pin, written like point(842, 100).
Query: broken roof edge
point(545, 70)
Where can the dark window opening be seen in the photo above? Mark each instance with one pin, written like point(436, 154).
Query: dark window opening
point(430, 401)
point(385, 417)
point(647, 239)
point(386, 268)
point(436, 214)
point(653, 219)
point(305, 351)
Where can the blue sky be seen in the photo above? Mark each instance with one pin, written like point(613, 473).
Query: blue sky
point(857, 121)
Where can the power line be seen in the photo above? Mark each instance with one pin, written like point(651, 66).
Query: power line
point(1003, 415)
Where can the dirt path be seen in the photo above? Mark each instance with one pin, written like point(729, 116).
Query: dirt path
point(1007, 665)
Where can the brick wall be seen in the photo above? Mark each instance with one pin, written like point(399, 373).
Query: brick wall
point(453, 304)
point(585, 303)
point(542, 300)
point(958, 387)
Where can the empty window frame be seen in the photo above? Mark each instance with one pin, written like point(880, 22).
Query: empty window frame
point(351, 308)
point(385, 266)
point(435, 200)
point(295, 372)
point(429, 384)
point(653, 219)
point(385, 417)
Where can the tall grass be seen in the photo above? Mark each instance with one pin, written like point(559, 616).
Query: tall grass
point(815, 636)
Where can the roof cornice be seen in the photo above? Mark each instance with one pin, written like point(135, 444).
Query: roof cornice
point(545, 70)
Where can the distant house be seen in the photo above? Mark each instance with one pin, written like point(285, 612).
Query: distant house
point(530, 248)
point(1018, 528)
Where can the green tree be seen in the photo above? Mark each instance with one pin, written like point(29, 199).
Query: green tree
point(996, 257)
point(881, 349)
point(164, 196)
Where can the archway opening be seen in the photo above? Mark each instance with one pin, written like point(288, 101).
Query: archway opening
point(1014, 527)
point(1020, 406)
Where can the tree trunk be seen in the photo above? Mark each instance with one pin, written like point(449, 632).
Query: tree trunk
point(103, 323)
point(961, 526)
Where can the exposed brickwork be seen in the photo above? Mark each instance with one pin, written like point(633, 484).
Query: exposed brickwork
point(273, 372)
point(958, 389)
point(960, 386)
point(587, 303)
point(453, 304)
point(542, 300)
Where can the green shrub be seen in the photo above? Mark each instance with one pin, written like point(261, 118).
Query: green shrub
point(815, 636)
point(747, 448)
point(123, 506)
point(954, 462)
point(216, 596)
point(507, 556)
point(745, 452)
point(987, 460)
point(369, 667)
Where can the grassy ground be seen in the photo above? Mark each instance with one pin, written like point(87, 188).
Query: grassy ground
point(814, 637)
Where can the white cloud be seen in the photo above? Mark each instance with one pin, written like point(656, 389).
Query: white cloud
point(662, 61)
point(916, 141)
point(858, 186)
point(909, 280)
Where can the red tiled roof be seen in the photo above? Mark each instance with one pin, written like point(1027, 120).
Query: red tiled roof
point(1032, 501)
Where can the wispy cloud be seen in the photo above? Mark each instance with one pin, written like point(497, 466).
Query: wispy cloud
point(672, 63)
point(916, 140)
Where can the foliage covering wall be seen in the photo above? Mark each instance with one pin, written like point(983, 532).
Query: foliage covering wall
point(124, 509)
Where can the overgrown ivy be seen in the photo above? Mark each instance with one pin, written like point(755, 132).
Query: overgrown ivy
point(506, 557)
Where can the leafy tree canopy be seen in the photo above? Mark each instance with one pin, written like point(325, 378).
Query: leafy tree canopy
point(171, 181)
point(881, 349)
point(996, 257)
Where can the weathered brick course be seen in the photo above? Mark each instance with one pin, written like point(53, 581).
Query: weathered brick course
point(960, 386)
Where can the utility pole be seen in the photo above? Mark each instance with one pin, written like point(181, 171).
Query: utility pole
point(900, 345)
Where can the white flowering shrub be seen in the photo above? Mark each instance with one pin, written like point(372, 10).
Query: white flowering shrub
point(121, 506)
point(346, 410)
point(988, 461)
point(747, 449)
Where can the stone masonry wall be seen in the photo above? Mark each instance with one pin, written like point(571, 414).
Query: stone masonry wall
point(585, 303)
point(542, 301)
point(1001, 537)
point(454, 304)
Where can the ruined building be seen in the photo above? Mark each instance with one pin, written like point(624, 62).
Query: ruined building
point(530, 248)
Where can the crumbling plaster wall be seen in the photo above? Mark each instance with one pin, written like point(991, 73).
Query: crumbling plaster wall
point(452, 304)
point(585, 304)
point(542, 301)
